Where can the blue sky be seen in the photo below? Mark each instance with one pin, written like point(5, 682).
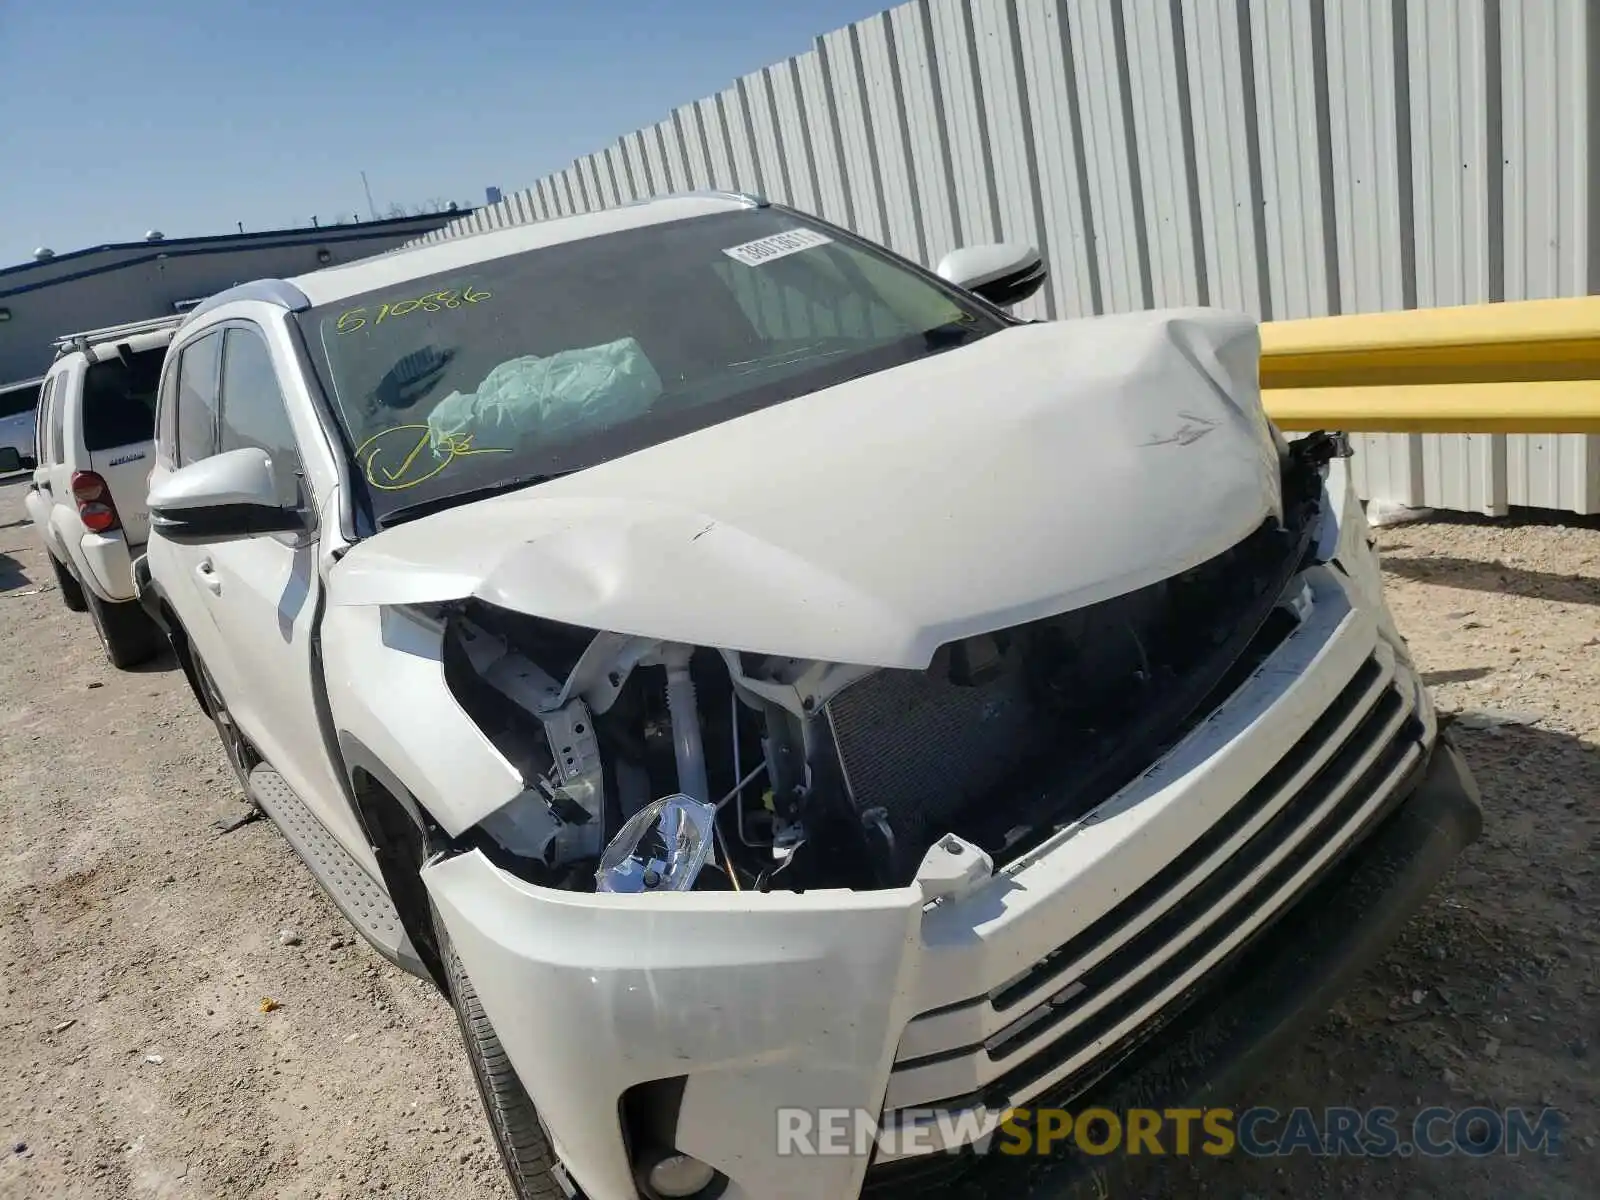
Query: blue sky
point(188, 116)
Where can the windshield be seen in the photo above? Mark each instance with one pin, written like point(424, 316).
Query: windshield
point(557, 359)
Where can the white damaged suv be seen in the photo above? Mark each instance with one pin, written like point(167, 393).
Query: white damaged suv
point(760, 680)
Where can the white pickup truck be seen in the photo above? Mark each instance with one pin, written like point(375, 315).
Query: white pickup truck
point(753, 676)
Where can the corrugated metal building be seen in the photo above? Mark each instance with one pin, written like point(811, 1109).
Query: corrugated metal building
point(109, 285)
point(1285, 157)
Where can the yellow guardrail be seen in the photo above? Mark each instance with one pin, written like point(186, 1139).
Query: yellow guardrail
point(1524, 367)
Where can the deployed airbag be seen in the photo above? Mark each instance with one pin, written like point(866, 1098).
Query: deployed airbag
point(532, 399)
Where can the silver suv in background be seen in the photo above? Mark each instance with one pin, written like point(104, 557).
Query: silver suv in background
point(18, 403)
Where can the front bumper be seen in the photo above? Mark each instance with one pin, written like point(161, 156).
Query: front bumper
point(1034, 984)
point(1231, 1033)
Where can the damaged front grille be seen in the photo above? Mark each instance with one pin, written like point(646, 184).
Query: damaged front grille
point(1005, 735)
point(1049, 1035)
point(1069, 1017)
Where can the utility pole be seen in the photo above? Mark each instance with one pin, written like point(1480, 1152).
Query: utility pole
point(367, 187)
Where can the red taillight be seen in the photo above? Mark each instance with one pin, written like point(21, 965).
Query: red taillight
point(95, 509)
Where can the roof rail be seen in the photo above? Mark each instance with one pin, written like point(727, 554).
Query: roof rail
point(269, 291)
point(79, 341)
point(748, 199)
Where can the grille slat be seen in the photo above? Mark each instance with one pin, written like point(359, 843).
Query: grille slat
point(1158, 889)
point(1027, 1074)
point(1107, 975)
point(1252, 817)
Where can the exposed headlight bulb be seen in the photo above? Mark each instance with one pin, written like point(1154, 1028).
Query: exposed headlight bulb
point(661, 848)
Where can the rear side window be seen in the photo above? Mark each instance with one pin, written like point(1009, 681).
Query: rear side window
point(58, 419)
point(167, 413)
point(253, 410)
point(41, 425)
point(119, 399)
point(197, 399)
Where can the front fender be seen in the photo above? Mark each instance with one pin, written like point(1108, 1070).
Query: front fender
point(757, 1002)
point(1345, 539)
point(384, 669)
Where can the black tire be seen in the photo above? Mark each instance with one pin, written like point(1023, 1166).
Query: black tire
point(71, 589)
point(530, 1163)
point(241, 755)
point(126, 631)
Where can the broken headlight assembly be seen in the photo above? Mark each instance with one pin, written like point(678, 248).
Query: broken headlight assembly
point(644, 763)
point(661, 848)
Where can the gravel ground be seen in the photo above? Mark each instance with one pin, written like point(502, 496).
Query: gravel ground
point(184, 1015)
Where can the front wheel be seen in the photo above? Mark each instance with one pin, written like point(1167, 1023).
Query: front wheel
point(518, 1133)
point(126, 631)
point(241, 755)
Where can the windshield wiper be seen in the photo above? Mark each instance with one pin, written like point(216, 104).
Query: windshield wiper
point(954, 333)
point(423, 508)
point(788, 358)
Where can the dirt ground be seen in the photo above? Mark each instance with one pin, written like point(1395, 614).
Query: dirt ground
point(138, 946)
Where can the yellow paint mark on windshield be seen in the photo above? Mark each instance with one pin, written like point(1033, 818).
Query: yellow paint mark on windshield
point(393, 458)
point(359, 318)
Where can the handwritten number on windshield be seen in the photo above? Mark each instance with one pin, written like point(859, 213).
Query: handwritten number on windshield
point(357, 318)
point(393, 458)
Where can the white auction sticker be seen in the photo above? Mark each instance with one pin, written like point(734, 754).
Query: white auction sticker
point(753, 254)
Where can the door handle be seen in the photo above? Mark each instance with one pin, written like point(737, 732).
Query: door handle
point(209, 577)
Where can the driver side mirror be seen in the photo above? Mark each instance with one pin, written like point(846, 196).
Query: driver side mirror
point(1004, 273)
point(223, 498)
point(13, 460)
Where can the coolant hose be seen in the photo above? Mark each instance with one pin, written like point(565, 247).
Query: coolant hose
point(687, 746)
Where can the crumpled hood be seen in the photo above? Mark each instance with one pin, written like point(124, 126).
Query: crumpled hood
point(1036, 471)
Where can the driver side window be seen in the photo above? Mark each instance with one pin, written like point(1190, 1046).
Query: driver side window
point(197, 400)
point(254, 412)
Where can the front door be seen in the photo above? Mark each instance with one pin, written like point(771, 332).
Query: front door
point(267, 600)
point(257, 596)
